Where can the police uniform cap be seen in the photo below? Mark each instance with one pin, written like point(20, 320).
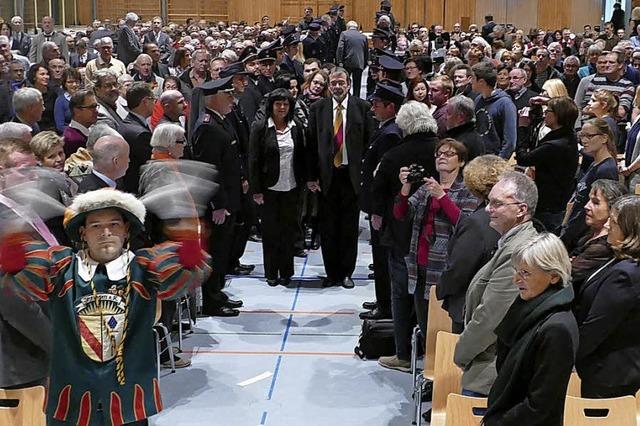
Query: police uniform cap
point(288, 30)
point(332, 11)
point(237, 68)
point(380, 33)
point(217, 86)
point(314, 26)
point(389, 63)
point(249, 53)
point(386, 90)
point(267, 55)
point(291, 40)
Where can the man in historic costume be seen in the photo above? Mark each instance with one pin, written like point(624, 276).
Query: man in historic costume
point(103, 304)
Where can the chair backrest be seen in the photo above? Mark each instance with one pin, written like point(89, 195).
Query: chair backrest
point(438, 320)
point(638, 406)
point(460, 410)
point(621, 411)
point(573, 389)
point(447, 375)
point(637, 191)
point(28, 412)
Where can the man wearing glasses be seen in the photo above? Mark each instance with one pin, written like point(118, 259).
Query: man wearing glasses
point(84, 114)
point(544, 70)
point(511, 205)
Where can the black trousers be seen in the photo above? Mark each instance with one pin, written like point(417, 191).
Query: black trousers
point(220, 241)
point(356, 80)
point(338, 222)
point(242, 229)
point(279, 231)
point(382, 280)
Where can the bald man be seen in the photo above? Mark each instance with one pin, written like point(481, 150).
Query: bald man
point(110, 163)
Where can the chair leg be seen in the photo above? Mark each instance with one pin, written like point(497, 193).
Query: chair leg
point(414, 354)
point(417, 398)
point(418, 413)
point(155, 332)
point(180, 324)
point(167, 339)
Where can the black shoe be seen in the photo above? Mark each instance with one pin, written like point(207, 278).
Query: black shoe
point(300, 253)
point(426, 416)
point(326, 282)
point(348, 283)
point(255, 238)
point(371, 276)
point(234, 304)
point(371, 266)
point(221, 312)
point(240, 271)
point(284, 281)
point(247, 267)
point(370, 305)
point(375, 314)
point(273, 283)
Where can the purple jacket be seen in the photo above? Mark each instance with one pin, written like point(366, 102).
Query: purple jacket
point(73, 139)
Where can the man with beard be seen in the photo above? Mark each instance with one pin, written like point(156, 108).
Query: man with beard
point(339, 129)
point(251, 97)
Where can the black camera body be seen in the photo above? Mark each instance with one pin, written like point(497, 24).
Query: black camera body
point(417, 173)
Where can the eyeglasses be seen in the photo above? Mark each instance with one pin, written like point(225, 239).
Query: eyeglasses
point(523, 274)
point(92, 106)
point(496, 204)
point(410, 67)
point(446, 154)
point(588, 136)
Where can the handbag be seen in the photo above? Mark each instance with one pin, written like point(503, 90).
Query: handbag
point(376, 339)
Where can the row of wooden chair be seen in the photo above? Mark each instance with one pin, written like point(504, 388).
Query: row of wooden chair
point(451, 409)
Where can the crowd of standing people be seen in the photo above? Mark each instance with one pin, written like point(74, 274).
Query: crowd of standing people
point(492, 163)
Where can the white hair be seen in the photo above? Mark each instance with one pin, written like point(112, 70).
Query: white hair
point(131, 17)
point(4, 39)
point(141, 57)
point(415, 117)
point(352, 25)
point(385, 18)
point(25, 98)
point(166, 135)
point(11, 130)
point(124, 78)
point(103, 41)
point(547, 252)
point(97, 131)
point(229, 56)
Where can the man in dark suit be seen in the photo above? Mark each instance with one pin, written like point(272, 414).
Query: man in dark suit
point(157, 67)
point(267, 58)
point(159, 38)
point(339, 129)
point(251, 98)
point(313, 46)
point(110, 155)
point(289, 64)
point(213, 144)
point(81, 56)
point(517, 89)
point(461, 125)
point(353, 54)
point(21, 40)
point(386, 101)
point(129, 46)
point(28, 106)
point(136, 131)
point(48, 34)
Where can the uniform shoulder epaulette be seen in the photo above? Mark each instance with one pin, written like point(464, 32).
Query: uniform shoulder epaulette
point(206, 118)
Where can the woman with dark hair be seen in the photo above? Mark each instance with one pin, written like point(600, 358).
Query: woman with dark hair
point(288, 82)
point(502, 81)
point(555, 159)
point(419, 91)
point(38, 78)
point(608, 311)
point(71, 81)
point(276, 174)
point(315, 87)
point(5, 30)
point(530, 68)
point(593, 250)
point(181, 61)
point(597, 141)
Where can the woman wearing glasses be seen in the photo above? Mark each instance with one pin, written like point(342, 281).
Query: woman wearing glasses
point(555, 158)
point(596, 138)
point(435, 209)
point(315, 87)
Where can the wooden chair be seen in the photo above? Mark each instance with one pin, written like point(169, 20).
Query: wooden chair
point(637, 190)
point(638, 406)
point(437, 320)
point(622, 411)
point(447, 376)
point(460, 410)
point(573, 389)
point(29, 411)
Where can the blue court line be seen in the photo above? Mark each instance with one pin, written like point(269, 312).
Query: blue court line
point(264, 418)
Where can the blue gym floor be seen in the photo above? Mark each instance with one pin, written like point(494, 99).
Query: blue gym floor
point(304, 335)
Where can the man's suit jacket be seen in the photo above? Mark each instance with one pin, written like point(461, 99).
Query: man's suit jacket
point(138, 135)
point(21, 43)
point(161, 70)
point(250, 100)
point(129, 46)
point(35, 52)
point(353, 50)
point(162, 40)
point(320, 145)
point(75, 62)
point(91, 182)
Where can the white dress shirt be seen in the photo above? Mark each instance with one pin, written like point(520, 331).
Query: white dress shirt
point(286, 179)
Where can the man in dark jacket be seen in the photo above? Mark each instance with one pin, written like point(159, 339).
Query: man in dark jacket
point(496, 115)
point(136, 132)
point(289, 64)
point(418, 147)
point(21, 40)
point(129, 46)
point(386, 101)
point(517, 89)
point(461, 125)
point(353, 54)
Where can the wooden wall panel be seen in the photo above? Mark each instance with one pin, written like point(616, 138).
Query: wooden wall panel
point(435, 12)
point(455, 11)
point(497, 8)
point(364, 12)
point(253, 10)
point(588, 12)
point(523, 14)
point(553, 14)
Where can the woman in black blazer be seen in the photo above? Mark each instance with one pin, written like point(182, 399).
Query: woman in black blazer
point(607, 308)
point(276, 173)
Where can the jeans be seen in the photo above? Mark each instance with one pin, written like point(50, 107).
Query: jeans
point(476, 411)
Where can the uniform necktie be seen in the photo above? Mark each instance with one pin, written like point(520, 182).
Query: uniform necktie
point(338, 137)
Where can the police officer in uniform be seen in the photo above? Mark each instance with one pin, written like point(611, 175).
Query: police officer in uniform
point(267, 58)
point(386, 101)
point(289, 64)
point(380, 40)
point(313, 46)
point(213, 143)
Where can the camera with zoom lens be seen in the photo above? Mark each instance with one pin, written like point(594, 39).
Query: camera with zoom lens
point(416, 174)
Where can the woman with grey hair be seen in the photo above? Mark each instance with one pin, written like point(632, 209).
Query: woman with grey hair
point(537, 339)
point(167, 142)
